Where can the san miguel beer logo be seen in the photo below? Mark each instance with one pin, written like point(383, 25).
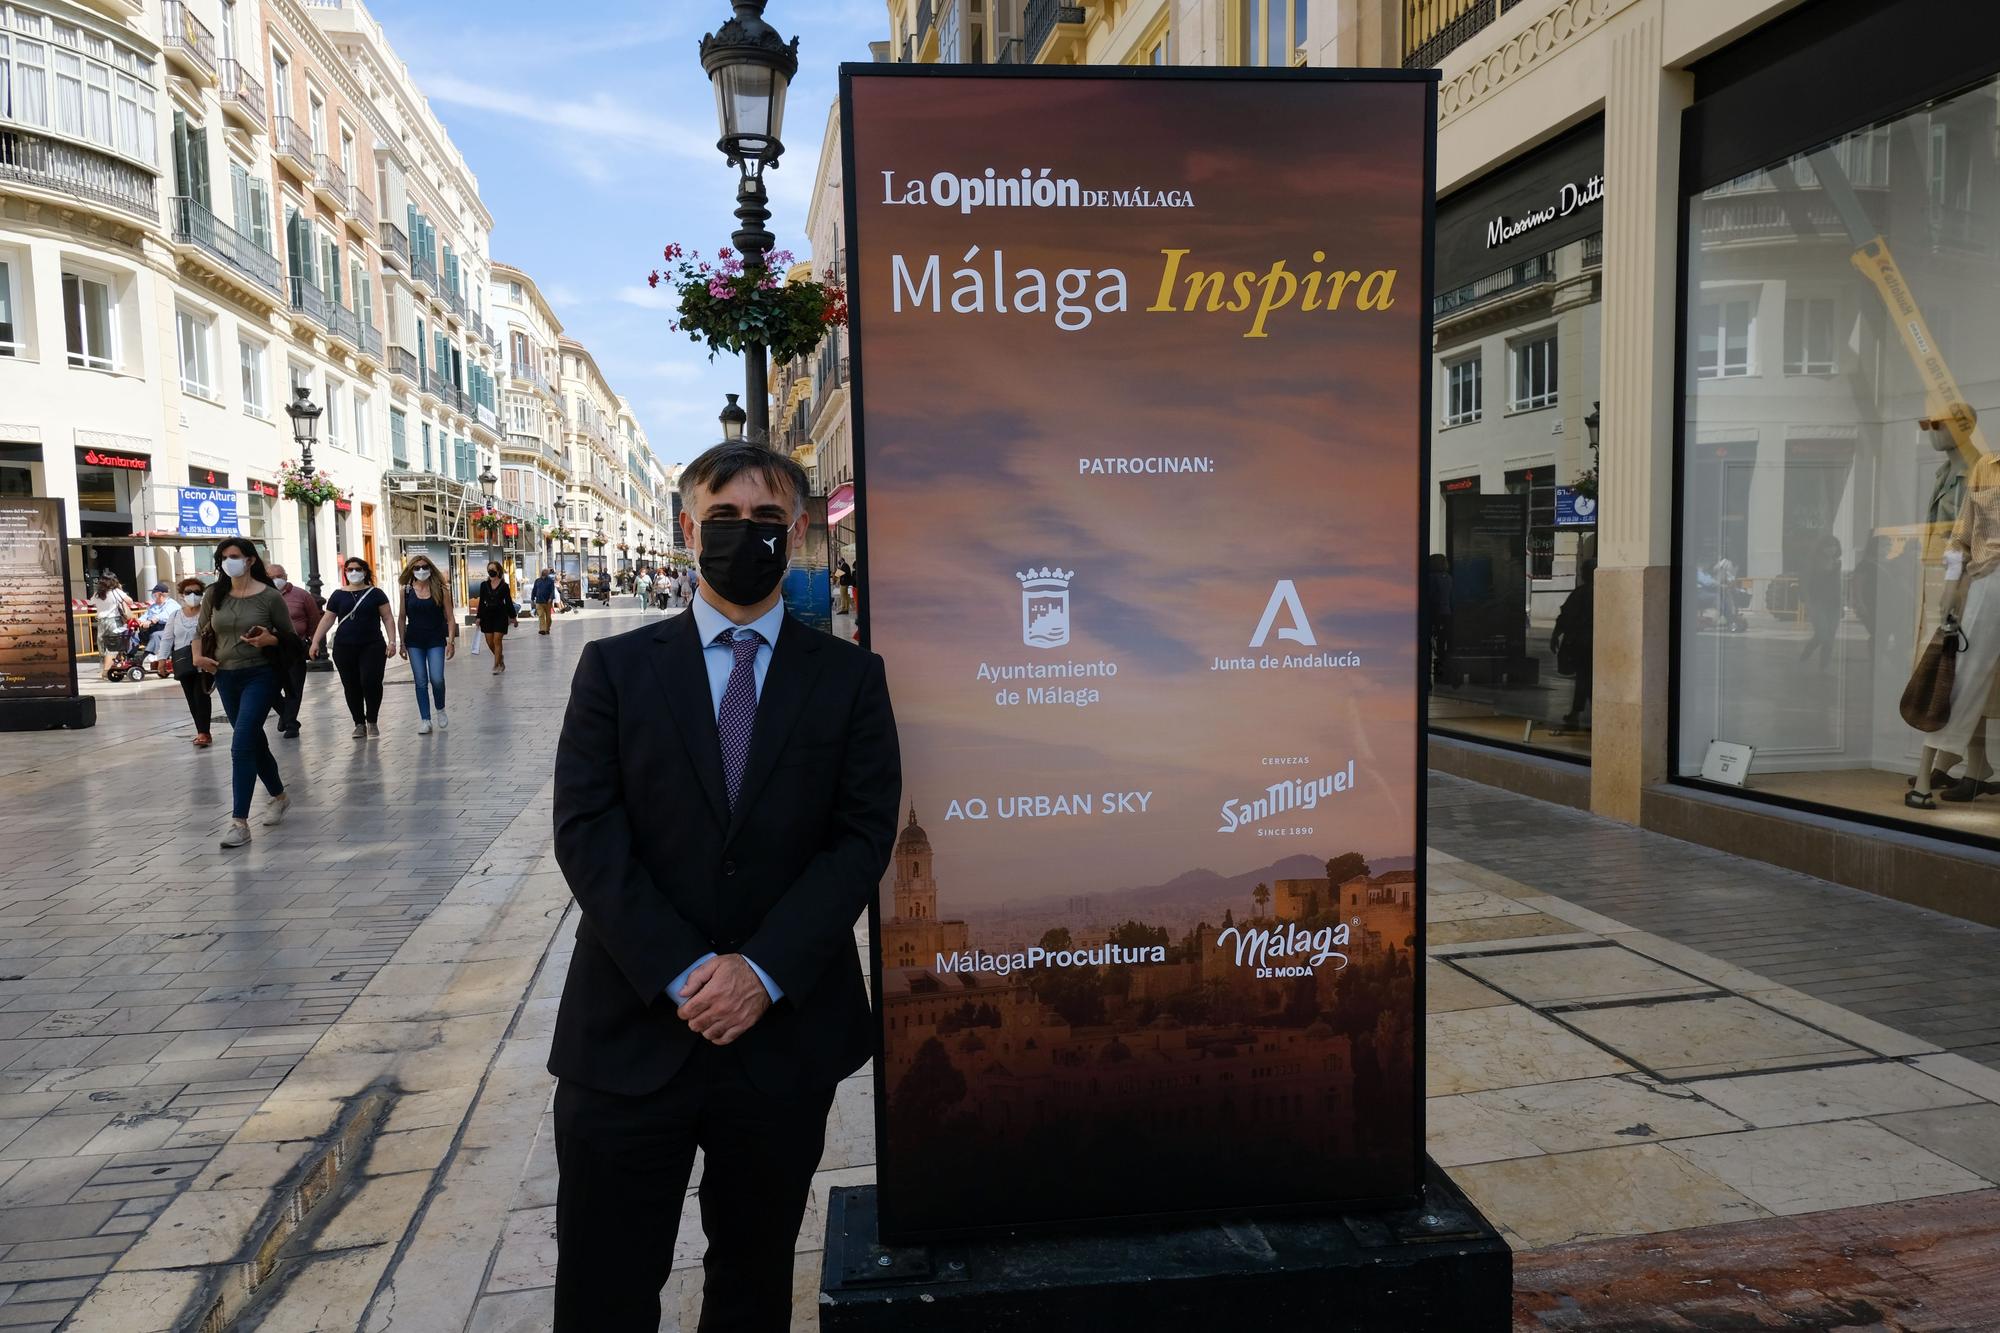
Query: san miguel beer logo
point(1045, 607)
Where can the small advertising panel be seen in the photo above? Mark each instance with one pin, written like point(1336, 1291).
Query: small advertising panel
point(35, 661)
point(209, 511)
point(1141, 438)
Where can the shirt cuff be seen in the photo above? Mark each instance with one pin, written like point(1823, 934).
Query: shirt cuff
point(674, 986)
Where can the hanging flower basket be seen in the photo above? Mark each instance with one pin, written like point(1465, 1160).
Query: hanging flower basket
point(318, 489)
point(487, 521)
point(722, 304)
point(558, 534)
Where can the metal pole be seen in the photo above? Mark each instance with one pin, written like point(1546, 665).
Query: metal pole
point(753, 241)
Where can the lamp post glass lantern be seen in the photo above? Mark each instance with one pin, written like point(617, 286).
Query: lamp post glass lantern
point(750, 67)
point(732, 418)
point(305, 431)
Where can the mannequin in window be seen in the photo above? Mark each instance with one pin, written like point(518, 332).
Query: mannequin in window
point(1972, 596)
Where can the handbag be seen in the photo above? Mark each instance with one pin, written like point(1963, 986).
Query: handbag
point(1926, 703)
point(184, 661)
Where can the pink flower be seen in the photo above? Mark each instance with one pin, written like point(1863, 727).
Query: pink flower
point(718, 287)
point(653, 279)
point(724, 252)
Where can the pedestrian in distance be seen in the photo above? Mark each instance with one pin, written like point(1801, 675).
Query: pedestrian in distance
point(244, 638)
point(114, 606)
point(497, 614)
point(429, 634)
point(362, 632)
point(177, 645)
point(721, 848)
point(544, 597)
point(643, 586)
point(292, 689)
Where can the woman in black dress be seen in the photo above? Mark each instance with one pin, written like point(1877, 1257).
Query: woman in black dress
point(497, 615)
point(363, 629)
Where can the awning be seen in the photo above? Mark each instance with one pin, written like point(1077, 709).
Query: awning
point(840, 504)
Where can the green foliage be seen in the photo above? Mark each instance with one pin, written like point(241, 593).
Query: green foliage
point(1346, 866)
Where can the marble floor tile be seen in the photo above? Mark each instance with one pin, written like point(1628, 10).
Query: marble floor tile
point(1844, 1092)
point(202, 1227)
point(327, 1291)
point(1693, 1038)
point(527, 1256)
point(1526, 925)
point(531, 1311)
point(1569, 976)
point(1475, 1049)
point(1966, 1135)
point(1447, 989)
point(1811, 1168)
point(1601, 1113)
point(1473, 903)
point(135, 1303)
point(1559, 1198)
point(377, 1213)
point(1459, 1131)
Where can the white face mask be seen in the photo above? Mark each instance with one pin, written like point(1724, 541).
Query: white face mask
point(356, 576)
point(234, 566)
point(280, 584)
point(191, 598)
point(421, 575)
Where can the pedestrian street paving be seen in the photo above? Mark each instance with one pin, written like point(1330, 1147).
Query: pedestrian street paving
point(155, 989)
point(1666, 1074)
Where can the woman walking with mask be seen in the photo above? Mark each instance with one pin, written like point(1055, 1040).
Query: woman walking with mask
point(429, 634)
point(242, 618)
point(181, 630)
point(497, 615)
point(360, 621)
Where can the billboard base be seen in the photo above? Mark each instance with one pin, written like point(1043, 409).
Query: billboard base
point(48, 714)
point(1437, 1266)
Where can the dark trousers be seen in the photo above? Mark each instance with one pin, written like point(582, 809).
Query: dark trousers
point(195, 687)
point(360, 666)
point(624, 1164)
point(247, 695)
point(291, 692)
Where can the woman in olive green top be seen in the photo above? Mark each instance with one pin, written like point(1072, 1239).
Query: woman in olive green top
point(242, 618)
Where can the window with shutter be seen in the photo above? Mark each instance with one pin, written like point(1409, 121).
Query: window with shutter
point(260, 214)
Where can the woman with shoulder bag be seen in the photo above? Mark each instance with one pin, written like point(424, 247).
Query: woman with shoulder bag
point(178, 634)
point(497, 614)
point(429, 634)
point(363, 630)
point(244, 622)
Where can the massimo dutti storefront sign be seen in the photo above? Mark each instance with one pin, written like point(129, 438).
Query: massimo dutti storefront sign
point(1540, 201)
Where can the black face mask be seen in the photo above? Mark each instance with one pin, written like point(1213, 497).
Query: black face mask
point(742, 559)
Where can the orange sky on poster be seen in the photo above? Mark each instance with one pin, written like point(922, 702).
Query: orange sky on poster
point(973, 424)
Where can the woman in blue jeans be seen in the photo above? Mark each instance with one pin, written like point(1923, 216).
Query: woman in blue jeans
point(429, 635)
point(244, 618)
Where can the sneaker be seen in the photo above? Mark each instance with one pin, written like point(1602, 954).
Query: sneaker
point(360, 730)
point(442, 721)
point(275, 809)
point(237, 834)
point(424, 727)
point(374, 730)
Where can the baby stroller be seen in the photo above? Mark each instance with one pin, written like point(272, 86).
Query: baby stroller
point(132, 662)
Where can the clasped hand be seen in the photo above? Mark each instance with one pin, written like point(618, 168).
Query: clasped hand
point(723, 999)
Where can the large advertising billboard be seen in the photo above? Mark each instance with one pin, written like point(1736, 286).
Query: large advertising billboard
point(35, 660)
point(1140, 375)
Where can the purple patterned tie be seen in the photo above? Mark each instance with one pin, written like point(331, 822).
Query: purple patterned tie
point(738, 714)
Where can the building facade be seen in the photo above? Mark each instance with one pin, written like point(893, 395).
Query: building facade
point(1712, 353)
point(206, 205)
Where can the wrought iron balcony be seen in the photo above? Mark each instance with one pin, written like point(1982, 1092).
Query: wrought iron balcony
point(187, 41)
point(343, 324)
point(195, 225)
point(423, 269)
point(242, 95)
point(329, 181)
point(308, 300)
point(1011, 53)
point(1433, 29)
point(360, 210)
point(290, 140)
point(371, 341)
point(1043, 16)
point(395, 245)
point(437, 384)
point(402, 361)
point(82, 173)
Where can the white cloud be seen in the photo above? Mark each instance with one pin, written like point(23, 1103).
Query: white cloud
point(646, 298)
point(599, 115)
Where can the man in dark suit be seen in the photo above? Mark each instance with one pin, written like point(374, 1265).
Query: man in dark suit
point(721, 849)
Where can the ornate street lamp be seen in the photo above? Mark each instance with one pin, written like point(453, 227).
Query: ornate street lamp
point(732, 417)
point(751, 66)
point(1590, 423)
point(305, 430)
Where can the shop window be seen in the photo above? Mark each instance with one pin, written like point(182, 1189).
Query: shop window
point(1539, 485)
point(12, 340)
point(1723, 332)
point(1534, 377)
point(1818, 509)
point(196, 334)
point(250, 368)
point(1809, 336)
point(90, 323)
point(1461, 391)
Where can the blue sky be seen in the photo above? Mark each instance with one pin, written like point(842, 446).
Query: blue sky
point(592, 131)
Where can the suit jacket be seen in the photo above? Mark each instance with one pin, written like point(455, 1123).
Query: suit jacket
point(664, 872)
